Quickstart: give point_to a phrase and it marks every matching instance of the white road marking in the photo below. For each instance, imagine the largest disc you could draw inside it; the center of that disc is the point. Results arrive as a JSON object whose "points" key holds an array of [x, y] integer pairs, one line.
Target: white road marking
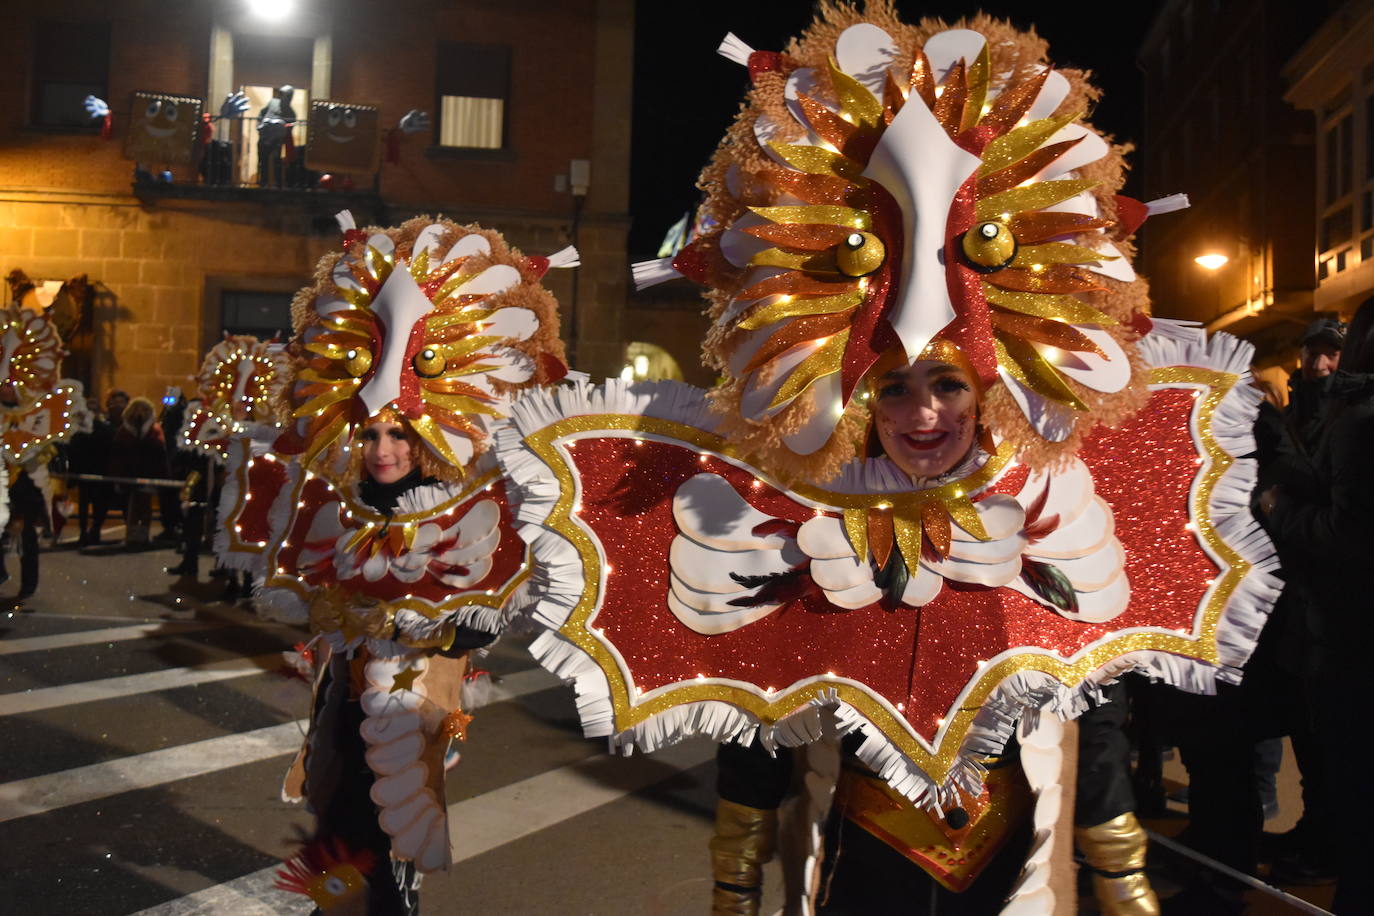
{"points": [[479, 824], [40, 794], [110, 688], [168, 628]]}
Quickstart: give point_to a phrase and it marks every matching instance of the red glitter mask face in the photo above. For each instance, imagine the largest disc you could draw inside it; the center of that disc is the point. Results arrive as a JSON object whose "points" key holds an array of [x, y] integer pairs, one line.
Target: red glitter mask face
{"points": [[926, 417]]}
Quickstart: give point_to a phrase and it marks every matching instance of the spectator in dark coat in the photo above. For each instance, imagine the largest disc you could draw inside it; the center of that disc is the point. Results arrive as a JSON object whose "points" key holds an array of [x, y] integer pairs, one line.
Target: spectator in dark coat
{"points": [[138, 451], [90, 454], [169, 498], [1327, 528]]}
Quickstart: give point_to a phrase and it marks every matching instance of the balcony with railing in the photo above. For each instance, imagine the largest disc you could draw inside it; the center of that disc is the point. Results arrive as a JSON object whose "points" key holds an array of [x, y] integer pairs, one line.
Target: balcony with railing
{"points": [[273, 161]]}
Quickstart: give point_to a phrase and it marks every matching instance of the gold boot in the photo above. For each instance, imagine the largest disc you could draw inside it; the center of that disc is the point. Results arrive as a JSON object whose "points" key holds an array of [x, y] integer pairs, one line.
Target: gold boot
{"points": [[1115, 850], [745, 839]]}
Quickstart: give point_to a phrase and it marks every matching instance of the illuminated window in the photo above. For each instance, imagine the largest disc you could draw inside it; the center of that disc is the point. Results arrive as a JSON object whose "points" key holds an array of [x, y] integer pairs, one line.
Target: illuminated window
{"points": [[472, 88], [71, 60]]}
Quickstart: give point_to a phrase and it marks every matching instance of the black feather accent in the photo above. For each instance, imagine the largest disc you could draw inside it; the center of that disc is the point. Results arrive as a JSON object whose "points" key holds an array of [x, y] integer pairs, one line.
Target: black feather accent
{"points": [[892, 580], [756, 581], [776, 588], [1049, 582]]}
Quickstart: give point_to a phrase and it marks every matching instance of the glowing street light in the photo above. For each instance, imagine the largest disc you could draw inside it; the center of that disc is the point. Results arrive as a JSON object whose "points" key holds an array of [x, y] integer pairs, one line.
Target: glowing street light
{"points": [[1211, 260], [271, 9]]}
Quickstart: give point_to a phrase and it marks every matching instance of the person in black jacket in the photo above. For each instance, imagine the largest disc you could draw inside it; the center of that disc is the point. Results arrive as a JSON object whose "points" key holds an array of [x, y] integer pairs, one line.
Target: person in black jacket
{"points": [[89, 453], [1326, 529]]}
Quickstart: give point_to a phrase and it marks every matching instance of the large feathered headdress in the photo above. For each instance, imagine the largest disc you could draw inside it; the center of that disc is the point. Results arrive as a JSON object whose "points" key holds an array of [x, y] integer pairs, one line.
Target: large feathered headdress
{"points": [[885, 184], [431, 324]]}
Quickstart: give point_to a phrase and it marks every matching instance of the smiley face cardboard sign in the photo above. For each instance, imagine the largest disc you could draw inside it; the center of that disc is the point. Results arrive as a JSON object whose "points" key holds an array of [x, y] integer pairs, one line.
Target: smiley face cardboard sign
{"points": [[344, 137], [162, 128]]}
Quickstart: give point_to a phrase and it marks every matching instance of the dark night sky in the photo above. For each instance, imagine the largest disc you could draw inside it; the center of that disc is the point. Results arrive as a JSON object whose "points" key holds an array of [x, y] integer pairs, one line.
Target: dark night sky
{"points": [[685, 94]]}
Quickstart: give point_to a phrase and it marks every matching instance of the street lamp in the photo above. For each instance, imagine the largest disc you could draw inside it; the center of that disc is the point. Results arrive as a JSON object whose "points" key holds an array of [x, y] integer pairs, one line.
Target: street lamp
{"points": [[271, 9], [1211, 261]]}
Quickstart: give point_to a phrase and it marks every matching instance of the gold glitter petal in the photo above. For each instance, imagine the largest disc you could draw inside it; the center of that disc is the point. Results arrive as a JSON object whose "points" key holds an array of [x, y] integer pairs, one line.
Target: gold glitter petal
{"points": [[838, 216], [1020, 142], [978, 75], [1028, 367], [811, 262], [430, 431], [1058, 253], [1047, 305], [796, 307], [966, 517], [855, 99], [419, 265], [817, 161], [906, 530], [342, 391], [856, 527], [827, 360], [1035, 196]]}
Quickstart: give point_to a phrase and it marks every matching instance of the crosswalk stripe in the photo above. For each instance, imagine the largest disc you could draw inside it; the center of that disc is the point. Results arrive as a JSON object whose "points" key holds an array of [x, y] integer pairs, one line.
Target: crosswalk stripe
{"points": [[108, 634], [38, 794], [504, 815], [479, 824], [251, 895], [24, 701]]}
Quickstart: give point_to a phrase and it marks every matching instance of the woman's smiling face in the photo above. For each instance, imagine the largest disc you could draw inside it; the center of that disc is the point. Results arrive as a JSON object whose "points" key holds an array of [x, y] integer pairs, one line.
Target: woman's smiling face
{"points": [[927, 417], [386, 451]]}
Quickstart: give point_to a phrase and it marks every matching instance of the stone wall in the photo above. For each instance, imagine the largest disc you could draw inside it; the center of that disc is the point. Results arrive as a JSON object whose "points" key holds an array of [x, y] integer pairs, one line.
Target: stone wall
{"points": [[161, 262], [151, 269]]}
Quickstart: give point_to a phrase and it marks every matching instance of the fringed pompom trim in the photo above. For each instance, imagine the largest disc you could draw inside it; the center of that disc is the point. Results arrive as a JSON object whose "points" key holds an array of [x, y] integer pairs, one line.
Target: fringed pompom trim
{"points": [[652, 273], [1170, 204], [734, 50], [565, 258]]}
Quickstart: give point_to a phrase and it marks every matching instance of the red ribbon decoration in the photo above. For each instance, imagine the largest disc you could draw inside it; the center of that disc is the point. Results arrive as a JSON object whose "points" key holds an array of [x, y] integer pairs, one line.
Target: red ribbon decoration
{"points": [[1130, 213]]}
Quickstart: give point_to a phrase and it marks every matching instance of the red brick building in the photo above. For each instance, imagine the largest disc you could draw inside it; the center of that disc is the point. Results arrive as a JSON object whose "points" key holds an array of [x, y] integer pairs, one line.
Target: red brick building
{"points": [[528, 99], [1218, 129]]}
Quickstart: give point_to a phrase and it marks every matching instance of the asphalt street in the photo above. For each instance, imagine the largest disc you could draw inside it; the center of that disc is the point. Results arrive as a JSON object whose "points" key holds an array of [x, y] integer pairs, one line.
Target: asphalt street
{"points": [[147, 725]]}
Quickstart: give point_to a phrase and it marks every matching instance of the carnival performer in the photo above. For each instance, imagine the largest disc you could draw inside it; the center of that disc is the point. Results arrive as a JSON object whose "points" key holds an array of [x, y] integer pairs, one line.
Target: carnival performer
{"points": [[907, 216], [240, 381], [38, 409], [378, 515]]}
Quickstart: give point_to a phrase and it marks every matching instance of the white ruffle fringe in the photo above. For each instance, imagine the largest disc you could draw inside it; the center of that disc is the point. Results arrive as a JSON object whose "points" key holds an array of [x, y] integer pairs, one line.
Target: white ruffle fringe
{"points": [[1232, 426], [733, 49]]}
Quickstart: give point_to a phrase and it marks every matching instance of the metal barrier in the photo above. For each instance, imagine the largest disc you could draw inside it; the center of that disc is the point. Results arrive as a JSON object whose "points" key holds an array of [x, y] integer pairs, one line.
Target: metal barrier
{"points": [[1248, 880], [133, 481]]}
